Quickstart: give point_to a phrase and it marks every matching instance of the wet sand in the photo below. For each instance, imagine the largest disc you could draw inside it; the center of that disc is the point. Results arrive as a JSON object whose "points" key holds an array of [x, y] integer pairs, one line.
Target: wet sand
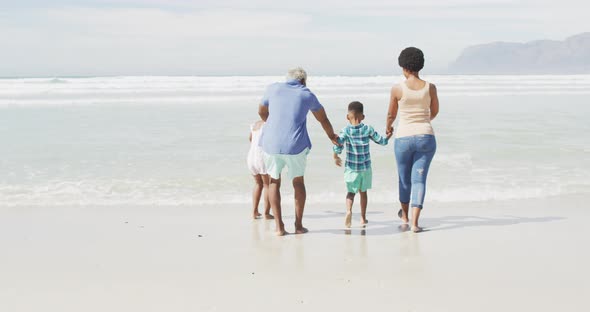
{"points": [[528, 255]]}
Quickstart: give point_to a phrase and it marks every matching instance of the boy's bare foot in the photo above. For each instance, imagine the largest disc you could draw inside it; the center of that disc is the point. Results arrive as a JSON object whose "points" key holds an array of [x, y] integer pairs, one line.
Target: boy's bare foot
{"points": [[301, 230], [348, 219], [268, 216], [416, 229]]}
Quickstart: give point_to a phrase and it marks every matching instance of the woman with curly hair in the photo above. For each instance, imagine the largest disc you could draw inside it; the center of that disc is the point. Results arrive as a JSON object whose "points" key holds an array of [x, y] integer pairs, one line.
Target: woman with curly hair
{"points": [[415, 101]]}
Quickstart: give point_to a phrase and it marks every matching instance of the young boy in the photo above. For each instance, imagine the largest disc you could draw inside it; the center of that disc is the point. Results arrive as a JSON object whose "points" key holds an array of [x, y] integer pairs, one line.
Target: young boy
{"points": [[357, 173]]}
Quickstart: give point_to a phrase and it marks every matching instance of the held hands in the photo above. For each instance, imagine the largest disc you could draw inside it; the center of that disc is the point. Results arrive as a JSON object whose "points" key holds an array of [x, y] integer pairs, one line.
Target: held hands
{"points": [[389, 131], [334, 139]]}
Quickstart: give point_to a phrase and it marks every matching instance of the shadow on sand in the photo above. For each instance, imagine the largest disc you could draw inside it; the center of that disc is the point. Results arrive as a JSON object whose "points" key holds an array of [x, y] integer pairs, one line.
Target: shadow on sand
{"points": [[456, 222], [329, 214], [378, 228]]}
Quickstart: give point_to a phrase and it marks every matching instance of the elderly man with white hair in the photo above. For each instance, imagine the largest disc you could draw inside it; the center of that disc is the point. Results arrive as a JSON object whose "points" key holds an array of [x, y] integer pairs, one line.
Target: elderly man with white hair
{"points": [[285, 140]]}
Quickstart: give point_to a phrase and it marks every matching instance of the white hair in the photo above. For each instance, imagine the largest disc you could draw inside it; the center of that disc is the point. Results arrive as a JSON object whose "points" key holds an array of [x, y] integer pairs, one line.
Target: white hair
{"points": [[297, 73]]}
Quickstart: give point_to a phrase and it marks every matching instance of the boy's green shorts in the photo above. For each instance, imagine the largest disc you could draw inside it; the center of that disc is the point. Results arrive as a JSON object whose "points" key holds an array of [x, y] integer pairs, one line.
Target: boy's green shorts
{"points": [[358, 181]]}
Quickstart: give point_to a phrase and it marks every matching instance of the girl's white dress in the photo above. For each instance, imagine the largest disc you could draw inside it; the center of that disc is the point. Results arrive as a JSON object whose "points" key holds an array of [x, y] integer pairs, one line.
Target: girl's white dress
{"points": [[255, 154]]}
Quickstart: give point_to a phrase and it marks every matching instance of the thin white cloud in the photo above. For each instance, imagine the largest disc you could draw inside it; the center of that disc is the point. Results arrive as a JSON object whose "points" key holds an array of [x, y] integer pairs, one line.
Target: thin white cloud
{"points": [[307, 5], [82, 41], [263, 36], [551, 12], [156, 23]]}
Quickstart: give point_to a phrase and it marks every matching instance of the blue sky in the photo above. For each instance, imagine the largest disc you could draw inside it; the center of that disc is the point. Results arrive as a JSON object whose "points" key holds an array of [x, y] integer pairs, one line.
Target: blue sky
{"points": [[231, 37]]}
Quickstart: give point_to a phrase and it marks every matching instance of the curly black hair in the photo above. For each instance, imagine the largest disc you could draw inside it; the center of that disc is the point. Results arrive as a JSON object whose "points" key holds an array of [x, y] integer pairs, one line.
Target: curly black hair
{"points": [[411, 59]]}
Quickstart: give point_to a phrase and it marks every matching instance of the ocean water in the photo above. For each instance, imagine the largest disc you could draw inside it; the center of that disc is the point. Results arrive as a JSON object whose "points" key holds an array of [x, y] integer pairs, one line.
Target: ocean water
{"points": [[183, 140]]}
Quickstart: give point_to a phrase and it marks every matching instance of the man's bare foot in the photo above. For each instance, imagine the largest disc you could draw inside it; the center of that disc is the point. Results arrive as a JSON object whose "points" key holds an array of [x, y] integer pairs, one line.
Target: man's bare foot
{"points": [[364, 221], [416, 229], [282, 233], [301, 230], [268, 216], [348, 219], [405, 219]]}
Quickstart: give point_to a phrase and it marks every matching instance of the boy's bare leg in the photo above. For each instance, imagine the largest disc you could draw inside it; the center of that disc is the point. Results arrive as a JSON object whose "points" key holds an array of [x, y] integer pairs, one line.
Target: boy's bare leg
{"points": [[256, 194], [405, 211], [300, 195], [349, 202], [265, 182], [274, 195], [364, 202], [415, 216]]}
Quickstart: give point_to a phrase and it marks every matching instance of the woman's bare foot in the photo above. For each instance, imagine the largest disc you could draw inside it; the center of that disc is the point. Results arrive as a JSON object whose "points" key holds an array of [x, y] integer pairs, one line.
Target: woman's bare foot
{"points": [[301, 230], [282, 233], [256, 215], [348, 219], [405, 219], [268, 216], [416, 229], [364, 221]]}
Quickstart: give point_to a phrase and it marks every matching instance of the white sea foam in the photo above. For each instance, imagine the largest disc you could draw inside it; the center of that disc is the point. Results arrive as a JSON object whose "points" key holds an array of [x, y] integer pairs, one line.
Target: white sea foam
{"points": [[138, 192], [198, 90]]}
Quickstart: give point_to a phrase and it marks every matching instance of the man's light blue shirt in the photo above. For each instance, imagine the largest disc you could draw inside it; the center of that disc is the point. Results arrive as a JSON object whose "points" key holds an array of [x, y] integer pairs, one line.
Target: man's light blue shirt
{"points": [[285, 131]]}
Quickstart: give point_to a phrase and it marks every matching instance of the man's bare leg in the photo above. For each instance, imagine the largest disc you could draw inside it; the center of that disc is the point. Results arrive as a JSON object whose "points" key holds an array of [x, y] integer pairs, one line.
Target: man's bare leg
{"points": [[415, 216], [300, 195], [274, 194], [405, 212], [349, 202], [265, 182], [364, 202], [256, 194]]}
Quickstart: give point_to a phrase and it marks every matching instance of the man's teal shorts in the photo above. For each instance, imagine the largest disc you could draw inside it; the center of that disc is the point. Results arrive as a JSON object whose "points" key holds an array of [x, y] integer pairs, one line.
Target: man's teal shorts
{"points": [[275, 163], [358, 181]]}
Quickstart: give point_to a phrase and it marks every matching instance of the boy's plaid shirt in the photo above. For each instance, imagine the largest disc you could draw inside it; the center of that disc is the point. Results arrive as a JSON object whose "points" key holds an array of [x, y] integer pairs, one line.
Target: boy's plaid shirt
{"points": [[356, 138]]}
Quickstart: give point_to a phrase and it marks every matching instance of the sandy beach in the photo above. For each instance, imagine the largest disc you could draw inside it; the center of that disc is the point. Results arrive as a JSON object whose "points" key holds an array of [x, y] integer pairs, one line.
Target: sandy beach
{"points": [[481, 256], [135, 135]]}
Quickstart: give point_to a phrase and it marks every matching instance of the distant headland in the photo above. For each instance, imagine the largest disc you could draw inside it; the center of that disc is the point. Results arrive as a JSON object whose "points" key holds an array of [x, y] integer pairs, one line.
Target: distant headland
{"points": [[570, 56]]}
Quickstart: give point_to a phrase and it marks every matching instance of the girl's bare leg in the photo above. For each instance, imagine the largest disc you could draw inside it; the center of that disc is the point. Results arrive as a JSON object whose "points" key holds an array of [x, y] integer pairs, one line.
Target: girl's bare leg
{"points": [[256, 194], [349, 202], [265, 182], [364, 201]]}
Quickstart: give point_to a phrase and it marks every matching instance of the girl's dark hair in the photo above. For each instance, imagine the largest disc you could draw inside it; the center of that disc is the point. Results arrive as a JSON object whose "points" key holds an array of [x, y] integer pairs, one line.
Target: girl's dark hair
{"points": [[411, 59]]}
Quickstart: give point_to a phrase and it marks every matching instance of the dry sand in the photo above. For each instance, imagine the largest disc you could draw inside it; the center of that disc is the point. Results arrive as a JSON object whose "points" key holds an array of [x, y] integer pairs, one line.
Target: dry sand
{"points": [[528, 255]]}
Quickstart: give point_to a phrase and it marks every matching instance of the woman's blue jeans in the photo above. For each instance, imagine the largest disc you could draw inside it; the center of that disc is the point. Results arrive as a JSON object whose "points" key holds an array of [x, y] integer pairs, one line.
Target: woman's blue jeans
{"points": [[414, 155]]}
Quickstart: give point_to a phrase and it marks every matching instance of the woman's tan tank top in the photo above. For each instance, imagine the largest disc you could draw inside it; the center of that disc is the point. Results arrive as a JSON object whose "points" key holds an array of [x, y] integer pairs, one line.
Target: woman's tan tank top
{"points": [[414, 111]]}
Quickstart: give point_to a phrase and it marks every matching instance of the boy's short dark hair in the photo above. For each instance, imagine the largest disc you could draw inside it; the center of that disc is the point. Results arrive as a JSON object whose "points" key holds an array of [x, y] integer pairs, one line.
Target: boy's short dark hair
{"points": [[411, 59], [356, 107]]}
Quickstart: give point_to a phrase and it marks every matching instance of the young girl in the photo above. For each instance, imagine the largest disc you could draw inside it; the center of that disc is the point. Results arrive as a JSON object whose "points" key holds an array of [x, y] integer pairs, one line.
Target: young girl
{"points": [[258, 170]]}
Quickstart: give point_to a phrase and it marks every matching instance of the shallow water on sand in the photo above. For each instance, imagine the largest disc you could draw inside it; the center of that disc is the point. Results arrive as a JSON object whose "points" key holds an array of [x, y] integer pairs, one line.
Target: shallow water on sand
{"points": [[183, 140]]}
